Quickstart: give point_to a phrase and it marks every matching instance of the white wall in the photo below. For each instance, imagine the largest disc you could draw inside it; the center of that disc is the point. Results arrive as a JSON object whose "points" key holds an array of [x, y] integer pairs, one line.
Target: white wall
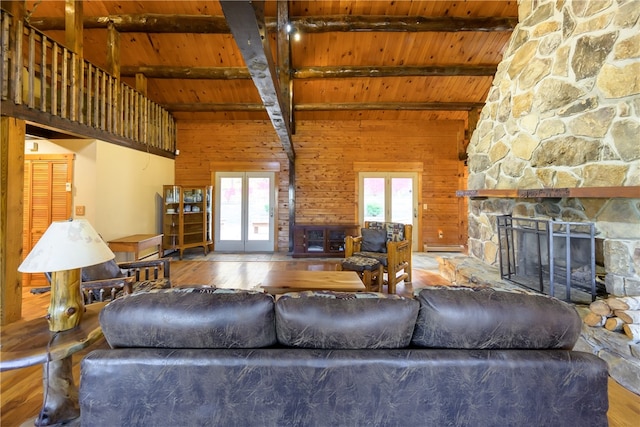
{"points": [[119, 187]]}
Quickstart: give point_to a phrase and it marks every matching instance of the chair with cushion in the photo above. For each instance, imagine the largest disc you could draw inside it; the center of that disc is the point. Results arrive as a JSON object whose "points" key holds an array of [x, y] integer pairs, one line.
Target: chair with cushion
{"points": [[128, 277], [107, 280], [389, 243]]}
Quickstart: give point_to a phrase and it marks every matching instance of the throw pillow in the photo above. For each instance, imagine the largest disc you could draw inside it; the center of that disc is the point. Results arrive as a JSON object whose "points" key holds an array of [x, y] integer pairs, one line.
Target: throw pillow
{"points": [[374, 240]]}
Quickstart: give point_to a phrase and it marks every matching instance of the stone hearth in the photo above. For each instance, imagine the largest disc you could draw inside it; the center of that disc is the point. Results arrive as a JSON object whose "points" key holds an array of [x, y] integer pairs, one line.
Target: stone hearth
{"points": [[621, 355]]}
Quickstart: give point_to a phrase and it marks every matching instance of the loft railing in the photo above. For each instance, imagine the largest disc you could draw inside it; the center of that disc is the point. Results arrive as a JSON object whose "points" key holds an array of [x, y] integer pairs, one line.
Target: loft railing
{"points": [[46, 83]]}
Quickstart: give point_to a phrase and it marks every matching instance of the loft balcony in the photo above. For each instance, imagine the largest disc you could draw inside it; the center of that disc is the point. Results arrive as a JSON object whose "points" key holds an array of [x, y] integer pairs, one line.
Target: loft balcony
{"points": [[49, 86]]}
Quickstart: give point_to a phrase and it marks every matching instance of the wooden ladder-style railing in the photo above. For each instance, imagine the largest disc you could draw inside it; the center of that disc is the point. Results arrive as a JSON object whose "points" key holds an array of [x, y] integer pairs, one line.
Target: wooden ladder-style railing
{"points": [[46, 83]]}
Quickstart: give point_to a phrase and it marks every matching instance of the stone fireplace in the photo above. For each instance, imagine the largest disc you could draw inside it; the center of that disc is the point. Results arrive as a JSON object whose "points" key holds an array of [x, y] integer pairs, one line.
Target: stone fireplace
{"points": [[563, 114], [557, 258], [559, 139]]}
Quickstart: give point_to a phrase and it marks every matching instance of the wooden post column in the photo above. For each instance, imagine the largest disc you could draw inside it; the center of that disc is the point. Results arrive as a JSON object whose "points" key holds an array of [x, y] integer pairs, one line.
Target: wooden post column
{"points": [[12, 132]]}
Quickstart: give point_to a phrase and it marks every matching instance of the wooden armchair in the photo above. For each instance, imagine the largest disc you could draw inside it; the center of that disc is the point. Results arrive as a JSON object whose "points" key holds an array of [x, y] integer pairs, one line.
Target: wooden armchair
{"points": [[108, 280], [389, 243]]}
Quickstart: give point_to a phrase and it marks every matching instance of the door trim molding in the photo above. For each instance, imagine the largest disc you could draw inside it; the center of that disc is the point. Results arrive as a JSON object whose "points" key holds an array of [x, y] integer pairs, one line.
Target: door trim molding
{"points": [[244, 167], [388, 166]]}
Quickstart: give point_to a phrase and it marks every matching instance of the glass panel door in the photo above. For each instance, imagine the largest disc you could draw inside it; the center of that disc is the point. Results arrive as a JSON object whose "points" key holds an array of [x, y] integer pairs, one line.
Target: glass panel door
{"points": [[374, 198], [389, 197], [402, 203], [244, 212]]}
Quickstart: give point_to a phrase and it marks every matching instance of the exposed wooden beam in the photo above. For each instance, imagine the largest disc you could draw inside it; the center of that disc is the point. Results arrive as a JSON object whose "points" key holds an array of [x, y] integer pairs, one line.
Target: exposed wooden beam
{"points": [[366, 71], [12, 132], [351, 106], [231, 73], [342, 23], [205, 73], [246, 20], [284, 60], [207, 24], [417, 106], [199, 107], [144, 23], [113, 52]]}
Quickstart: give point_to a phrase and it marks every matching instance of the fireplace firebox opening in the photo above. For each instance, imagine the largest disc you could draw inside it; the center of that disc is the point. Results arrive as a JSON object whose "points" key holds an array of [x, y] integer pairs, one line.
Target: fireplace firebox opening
{"points": [[557, 258]]}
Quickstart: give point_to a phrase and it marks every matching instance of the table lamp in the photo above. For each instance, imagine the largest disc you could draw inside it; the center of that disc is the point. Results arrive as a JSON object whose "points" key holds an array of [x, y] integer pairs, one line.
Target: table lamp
{"points": [[63, 249]]}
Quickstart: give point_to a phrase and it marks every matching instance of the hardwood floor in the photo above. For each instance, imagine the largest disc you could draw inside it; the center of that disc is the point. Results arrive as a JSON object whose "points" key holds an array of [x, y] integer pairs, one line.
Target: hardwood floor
{"points": [[21, 389]]}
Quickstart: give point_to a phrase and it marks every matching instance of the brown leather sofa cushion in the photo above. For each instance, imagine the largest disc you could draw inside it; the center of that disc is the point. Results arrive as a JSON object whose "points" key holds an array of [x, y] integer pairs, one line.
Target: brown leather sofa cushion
{"points": [[190, 318], [484, 318], [342, 320]]}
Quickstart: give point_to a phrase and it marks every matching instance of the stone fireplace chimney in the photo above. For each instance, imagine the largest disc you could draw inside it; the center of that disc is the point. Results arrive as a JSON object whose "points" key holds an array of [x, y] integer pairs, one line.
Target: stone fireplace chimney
{"points": [[564, 113]]}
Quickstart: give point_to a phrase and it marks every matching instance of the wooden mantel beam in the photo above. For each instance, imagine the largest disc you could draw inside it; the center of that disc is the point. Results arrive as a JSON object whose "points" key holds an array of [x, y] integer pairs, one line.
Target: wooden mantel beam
{"points": [[246, 20], [623, 192], [353, 106], [232, 73], [208, 24]]}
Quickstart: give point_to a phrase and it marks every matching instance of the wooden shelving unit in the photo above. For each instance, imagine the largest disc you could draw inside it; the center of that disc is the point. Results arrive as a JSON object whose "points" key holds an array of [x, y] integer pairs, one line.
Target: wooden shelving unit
{"points": [[629, 192], [321, 240], [187, 220]]}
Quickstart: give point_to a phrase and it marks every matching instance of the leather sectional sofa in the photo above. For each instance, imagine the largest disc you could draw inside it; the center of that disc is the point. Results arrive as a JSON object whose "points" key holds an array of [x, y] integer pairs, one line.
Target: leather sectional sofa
{"points": [[451, 356]]}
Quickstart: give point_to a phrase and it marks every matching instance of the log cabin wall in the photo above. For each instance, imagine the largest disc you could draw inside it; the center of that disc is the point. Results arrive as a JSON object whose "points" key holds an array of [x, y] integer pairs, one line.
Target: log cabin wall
{"points": [[325, 173]]}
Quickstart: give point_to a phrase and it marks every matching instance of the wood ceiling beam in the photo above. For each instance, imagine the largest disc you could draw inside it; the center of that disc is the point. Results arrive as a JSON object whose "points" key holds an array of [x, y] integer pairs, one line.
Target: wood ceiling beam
{"points": [[342, 23], [405, 71], [417, 106], [203, 73], [351, 106], [232, 73], [144, 23], [208, 24], [246, 20]]}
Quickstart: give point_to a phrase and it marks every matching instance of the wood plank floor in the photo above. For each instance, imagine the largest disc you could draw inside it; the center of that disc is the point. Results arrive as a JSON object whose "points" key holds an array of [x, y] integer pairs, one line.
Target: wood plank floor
{"points": [[21, 389]]}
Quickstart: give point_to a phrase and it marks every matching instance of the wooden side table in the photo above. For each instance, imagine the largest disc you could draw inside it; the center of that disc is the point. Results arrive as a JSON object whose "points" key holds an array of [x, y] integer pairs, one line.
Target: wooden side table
{"points": [[137, 243], [28, 343]]}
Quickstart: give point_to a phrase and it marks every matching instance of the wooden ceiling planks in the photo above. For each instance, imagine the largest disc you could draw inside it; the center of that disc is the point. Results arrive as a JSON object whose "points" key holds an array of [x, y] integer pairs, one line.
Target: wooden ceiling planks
{"points": [[342, 49]]}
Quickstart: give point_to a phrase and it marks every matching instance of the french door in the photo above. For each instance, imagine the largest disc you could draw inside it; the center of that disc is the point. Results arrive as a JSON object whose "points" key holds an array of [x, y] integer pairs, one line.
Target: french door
{"points": [[244, 208], [389, 197]]}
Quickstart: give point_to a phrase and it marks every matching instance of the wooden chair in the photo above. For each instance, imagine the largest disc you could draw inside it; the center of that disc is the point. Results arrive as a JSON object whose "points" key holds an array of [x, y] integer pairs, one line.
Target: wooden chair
{"points": [[106, 281], [393, 251]]}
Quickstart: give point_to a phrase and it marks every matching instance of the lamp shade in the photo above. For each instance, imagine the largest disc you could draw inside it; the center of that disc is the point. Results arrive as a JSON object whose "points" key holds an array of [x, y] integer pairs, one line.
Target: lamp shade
{"points": [[66, 245]]}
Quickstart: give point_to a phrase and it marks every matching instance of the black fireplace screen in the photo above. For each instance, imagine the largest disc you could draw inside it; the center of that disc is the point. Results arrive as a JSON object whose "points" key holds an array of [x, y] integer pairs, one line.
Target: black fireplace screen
{"points": [[539, 254]]}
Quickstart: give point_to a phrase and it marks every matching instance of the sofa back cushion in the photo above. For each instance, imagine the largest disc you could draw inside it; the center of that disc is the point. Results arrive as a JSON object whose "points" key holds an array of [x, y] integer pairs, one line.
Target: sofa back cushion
{"points": [[342, 320], [484, 318], [190, 318]]}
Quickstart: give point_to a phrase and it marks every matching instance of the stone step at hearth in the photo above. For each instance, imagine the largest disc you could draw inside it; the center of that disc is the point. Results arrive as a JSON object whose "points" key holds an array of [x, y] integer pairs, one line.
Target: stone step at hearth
{"points": [[620, 353]]}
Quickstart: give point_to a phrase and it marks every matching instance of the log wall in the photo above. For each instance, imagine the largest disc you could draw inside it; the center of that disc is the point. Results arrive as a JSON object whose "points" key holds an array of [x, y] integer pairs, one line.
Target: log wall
{"points": [[328, 157]]}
